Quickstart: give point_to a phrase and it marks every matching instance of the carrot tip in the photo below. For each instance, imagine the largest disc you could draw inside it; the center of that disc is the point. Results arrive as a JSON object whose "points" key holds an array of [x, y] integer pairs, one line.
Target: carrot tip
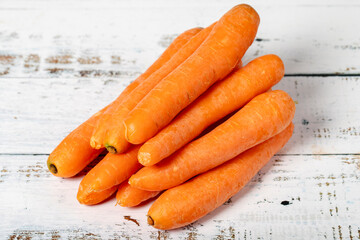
{"points": [[53, 169], [150, 220], [144, 158], [92, 142], [111, 149]]}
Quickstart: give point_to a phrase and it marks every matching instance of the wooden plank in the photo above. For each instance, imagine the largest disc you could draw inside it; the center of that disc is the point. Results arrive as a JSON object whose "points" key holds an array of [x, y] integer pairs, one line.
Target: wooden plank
{"points": [[317, 197], [60, 61], [36, 114], [94, 4], [117, 38]]}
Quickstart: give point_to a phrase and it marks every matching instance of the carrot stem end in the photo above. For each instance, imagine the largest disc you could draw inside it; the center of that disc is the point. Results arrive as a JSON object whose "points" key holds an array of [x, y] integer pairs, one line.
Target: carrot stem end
{"points": [[150, 220], [53, 169], [111, 149]]}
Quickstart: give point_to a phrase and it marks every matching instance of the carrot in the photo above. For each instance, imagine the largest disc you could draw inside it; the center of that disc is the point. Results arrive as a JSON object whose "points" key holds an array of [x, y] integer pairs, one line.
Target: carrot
{"points": [[263, 117], [102, 180], [112, 170], [110, 126], [194, 199], [128, 196], [221, 99], [212, 61], [87, 197], [74, 152], [97, 137]]}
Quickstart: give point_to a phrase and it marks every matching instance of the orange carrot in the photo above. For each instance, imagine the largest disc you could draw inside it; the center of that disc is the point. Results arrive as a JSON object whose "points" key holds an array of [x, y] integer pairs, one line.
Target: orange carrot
{"points": [[128, 196], [112, 170], [194, 199], [87, 197], [97, 137], [221, 99], [110, 126], [263, 117], [102, 180], [212, 61], [74, 152]]}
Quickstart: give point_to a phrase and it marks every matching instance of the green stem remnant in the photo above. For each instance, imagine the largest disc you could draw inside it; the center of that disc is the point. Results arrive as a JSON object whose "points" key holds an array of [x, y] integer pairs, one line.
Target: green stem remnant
{"points": [[111, 149]]}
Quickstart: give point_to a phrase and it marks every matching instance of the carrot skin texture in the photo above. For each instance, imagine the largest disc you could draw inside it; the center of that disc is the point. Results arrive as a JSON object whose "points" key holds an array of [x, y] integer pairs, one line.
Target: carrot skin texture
{"points": [[213, 60], [102, 180], [111, 125], [186, 203], [263, 117], [74, 153], [113, 169], [87, 196], [220, 100], [97, 138], [128, 196]]}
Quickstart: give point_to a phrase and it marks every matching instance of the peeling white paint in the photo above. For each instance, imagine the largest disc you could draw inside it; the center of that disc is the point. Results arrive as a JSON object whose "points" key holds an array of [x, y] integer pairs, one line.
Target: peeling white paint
{"points": [[61, 61]]}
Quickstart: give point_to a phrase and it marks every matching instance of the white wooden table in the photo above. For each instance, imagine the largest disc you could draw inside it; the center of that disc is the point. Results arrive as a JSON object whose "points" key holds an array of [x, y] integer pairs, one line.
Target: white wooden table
{"points": [[60, 61]]}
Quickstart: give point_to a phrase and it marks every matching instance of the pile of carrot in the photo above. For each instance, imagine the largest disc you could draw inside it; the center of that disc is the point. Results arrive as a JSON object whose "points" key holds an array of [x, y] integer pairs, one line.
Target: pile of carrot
{"points": [[193, 129]]}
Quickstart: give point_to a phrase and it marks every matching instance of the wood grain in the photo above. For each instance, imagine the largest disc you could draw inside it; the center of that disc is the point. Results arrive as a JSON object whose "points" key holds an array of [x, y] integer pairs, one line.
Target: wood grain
{"points": [[121, 38], [61, 61], [294, 196], [37, 113]]}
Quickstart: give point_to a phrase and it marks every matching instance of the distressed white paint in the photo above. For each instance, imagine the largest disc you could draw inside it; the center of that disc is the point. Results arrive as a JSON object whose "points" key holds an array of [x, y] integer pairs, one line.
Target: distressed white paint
{"points": [[319, 38], [322, 191], [60, 61], [37, 113]]}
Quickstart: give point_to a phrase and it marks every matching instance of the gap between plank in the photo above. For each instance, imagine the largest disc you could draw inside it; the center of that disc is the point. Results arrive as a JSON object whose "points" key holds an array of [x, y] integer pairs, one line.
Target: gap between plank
{"points": [[280, 154], [320, 75]]}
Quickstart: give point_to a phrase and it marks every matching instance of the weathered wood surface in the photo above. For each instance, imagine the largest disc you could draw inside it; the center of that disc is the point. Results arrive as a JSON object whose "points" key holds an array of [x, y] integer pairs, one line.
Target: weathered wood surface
{"points": [[120, 38], [60, 61], [38, 113], [293, 197]]}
